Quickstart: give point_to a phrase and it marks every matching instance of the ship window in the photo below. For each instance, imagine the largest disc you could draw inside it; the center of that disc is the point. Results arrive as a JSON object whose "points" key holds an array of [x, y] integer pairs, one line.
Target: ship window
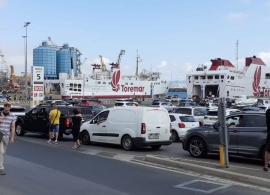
{"points": [[126, 83], [71, 89], [79, 90], [267, 76], [189, 77], [99, 82], [109, 83], [196, 77], [62, 85], [216, 76], [104, 82], [228, 77], [222, 76], [71, 84], [75, 84], [79, 86], [202, 77], [131, 83], [210, 77], [232, 78], [75, 89]]}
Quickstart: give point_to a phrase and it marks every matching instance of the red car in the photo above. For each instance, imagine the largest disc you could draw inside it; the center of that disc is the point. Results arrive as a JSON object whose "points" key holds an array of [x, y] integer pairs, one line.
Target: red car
{"points": [[87, 102]]}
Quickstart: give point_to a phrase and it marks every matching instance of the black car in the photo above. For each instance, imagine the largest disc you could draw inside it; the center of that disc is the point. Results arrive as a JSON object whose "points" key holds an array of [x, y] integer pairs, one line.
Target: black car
{"points": [[57, 102], [205, 139], [36, 120], [96, 108]]}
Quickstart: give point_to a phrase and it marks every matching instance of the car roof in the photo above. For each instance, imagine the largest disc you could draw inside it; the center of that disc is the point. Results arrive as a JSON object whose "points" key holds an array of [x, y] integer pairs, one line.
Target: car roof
{"points": [[179, 114]]}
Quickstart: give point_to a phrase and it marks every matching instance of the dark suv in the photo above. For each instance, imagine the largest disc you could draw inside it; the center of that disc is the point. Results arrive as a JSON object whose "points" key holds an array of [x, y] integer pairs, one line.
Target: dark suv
{"points": [[36, 120], [247, 138]]}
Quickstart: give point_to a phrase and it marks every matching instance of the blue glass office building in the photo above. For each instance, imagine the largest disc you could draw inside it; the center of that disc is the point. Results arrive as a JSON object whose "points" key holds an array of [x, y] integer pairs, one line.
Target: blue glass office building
{"points": [[55, 60], [63, 60], [45, 56]]}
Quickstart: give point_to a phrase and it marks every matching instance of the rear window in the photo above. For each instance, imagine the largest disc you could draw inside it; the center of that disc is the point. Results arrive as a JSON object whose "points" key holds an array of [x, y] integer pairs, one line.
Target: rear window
{"points": [[84, 101], [119, 104], [187, 119], [17, 109], [156, 117], [183, 111], [212, 113], [155, 103]]}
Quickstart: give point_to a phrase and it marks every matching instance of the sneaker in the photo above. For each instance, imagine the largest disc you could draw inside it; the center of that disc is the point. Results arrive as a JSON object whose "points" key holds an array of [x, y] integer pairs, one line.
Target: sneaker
{"points": [[2, 172], [79, 145], [74, 147], [265, 169], [49, 141], [55, 141]]}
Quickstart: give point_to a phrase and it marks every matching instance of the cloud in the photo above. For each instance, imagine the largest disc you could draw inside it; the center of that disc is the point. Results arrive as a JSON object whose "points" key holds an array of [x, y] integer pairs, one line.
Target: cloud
{"points": [[237, 15], [265, 56], [87, 69], [162, 64], [3, 3]]}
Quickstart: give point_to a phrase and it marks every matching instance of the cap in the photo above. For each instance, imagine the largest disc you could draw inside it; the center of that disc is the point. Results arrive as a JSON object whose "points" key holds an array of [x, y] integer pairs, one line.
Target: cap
{"points": [[7, 103]]}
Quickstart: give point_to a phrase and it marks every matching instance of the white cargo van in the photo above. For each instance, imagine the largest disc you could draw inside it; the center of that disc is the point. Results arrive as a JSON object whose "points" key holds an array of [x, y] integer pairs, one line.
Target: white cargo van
{"points": [[129, 127]]}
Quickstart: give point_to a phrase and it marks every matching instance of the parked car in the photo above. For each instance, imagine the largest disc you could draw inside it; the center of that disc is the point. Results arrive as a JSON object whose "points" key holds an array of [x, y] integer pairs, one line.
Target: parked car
{"points": [[180, 124], [96, 108], [166, 105], [203, 140], [212, 115], [87, 102], [129, 127], [211, 106], [36, 120], [168, 99], [197, 112], [116, 104], [57, 102], [3, 98], [15, 110], [258, 109]]}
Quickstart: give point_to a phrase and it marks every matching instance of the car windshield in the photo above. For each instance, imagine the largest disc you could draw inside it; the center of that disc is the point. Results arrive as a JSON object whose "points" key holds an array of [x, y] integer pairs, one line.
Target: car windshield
{"points": [[187, 119], [183, 111]]}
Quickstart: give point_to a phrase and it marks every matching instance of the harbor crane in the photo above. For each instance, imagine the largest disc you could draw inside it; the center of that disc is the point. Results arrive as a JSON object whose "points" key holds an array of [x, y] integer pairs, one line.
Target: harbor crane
{"points": [[4, 67], [103, 66], [122, 52]]}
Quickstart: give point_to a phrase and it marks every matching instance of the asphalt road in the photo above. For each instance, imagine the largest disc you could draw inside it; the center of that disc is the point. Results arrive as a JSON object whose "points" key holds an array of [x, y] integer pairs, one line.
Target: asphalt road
{"points": [[35, 168]]}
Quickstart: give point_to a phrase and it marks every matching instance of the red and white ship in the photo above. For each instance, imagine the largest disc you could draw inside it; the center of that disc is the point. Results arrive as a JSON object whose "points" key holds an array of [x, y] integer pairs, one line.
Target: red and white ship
{"points": [[222, 79], [109, 84]]}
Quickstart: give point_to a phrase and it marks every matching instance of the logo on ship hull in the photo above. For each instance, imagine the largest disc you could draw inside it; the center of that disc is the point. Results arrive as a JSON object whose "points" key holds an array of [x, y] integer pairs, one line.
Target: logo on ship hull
{"points": [[116, 87], [256, 81]]}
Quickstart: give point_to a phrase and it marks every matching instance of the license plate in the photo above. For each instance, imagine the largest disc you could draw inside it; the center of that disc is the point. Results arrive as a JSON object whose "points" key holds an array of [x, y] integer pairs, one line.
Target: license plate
{"points": [[153, 136]]}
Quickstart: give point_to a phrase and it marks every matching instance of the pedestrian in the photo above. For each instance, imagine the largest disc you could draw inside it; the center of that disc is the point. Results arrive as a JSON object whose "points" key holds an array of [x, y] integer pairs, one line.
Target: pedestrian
{"points": [[76, 124], [267, 146], [7, 123], [54, 119]]}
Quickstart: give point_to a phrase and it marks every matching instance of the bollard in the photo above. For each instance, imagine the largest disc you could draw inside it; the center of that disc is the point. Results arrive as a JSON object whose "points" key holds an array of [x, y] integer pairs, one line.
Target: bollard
{"points": [[221, 156]]}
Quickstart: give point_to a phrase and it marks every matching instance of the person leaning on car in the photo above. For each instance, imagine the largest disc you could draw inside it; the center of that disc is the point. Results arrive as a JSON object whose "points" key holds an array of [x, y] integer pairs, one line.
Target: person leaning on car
{"points": [[267, 146]]}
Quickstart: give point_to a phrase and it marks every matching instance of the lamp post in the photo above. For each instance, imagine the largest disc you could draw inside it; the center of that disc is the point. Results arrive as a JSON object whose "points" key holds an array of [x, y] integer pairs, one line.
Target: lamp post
{"points": [[25, 73]]}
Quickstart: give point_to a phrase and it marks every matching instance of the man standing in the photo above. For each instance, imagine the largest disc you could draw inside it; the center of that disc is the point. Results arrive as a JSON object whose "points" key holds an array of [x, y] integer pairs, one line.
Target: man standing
{"points": [[7, 123], [54, 117], [267, 146]]}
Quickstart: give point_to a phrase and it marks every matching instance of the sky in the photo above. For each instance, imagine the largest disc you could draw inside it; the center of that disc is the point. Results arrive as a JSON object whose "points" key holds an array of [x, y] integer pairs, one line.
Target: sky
{"points": [[171, 36]]}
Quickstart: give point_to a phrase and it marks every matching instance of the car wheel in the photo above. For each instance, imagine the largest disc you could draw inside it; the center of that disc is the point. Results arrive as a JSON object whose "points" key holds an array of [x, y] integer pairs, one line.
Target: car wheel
{"points": [[263, 156], [156, 147], [127, 143], [197, 147], [19, 130], [85, 138], [175, 136]]}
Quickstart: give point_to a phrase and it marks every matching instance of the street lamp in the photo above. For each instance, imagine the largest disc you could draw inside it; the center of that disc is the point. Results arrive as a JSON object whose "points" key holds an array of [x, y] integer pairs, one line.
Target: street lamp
{"points": [[25, 73]]}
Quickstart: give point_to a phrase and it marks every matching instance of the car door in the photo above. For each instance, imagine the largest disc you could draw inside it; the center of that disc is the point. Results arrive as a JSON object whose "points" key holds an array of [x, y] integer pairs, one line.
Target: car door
{"points": [[254, 128], [31, 120], [42, 120], [213, 138], [86, 113], [99, 127]]}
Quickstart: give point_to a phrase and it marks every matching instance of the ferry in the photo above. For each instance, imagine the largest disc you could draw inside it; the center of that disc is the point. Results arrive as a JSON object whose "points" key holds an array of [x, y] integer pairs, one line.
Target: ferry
{"points": [[223, 79]]}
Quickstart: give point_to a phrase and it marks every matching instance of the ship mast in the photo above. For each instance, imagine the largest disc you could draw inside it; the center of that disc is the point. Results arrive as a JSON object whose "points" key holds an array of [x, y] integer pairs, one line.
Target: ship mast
{"points": [[236, 54], [138, 59]]}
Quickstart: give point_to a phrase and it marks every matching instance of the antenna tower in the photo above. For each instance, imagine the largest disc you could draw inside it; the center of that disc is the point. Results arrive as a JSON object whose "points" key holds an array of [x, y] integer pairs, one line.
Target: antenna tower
{"points": [[236, 54], [138, 59]]}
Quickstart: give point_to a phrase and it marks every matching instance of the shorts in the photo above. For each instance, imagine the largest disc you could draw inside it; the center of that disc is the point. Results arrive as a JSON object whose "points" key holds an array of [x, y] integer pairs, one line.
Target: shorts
{"points": [[267, 147], [55, 128]]}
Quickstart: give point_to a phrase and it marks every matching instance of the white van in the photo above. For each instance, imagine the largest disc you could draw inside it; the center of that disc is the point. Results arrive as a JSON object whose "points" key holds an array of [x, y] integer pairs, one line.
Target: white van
{"points": [[129, 127]]}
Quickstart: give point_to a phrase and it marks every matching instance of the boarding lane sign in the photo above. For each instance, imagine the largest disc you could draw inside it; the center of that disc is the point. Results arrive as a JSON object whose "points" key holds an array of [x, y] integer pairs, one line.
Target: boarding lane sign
{"points": [[37, 86]]}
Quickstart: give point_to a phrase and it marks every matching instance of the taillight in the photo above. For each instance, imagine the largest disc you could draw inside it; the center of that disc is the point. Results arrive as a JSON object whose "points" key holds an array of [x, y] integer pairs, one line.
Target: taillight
{"points": [[67, 122], [143, 128], [181, 125], [170, 127]]}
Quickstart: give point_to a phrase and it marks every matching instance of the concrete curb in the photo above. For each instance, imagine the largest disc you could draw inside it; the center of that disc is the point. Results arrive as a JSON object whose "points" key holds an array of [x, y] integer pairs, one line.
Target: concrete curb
{"points": [[221, 173]]}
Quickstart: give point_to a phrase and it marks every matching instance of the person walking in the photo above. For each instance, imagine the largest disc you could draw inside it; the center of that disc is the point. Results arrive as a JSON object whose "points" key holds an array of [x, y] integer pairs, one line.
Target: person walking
{"points": [[267, 146], [54, 119], [7, 123], [76, 124]]}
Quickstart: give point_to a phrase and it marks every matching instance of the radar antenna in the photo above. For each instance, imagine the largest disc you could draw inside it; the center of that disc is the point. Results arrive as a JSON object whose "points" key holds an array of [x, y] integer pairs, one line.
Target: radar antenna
{"points": [[236, 54], [138, 59]]}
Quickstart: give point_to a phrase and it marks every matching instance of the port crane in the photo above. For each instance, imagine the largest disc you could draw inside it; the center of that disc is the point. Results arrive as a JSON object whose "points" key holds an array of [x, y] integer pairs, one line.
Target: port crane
{"points": [[103, 66]]}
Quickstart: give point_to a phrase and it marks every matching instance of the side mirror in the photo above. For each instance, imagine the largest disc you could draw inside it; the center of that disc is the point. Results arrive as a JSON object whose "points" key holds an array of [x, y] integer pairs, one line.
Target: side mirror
{"points": [[216, 125]]}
